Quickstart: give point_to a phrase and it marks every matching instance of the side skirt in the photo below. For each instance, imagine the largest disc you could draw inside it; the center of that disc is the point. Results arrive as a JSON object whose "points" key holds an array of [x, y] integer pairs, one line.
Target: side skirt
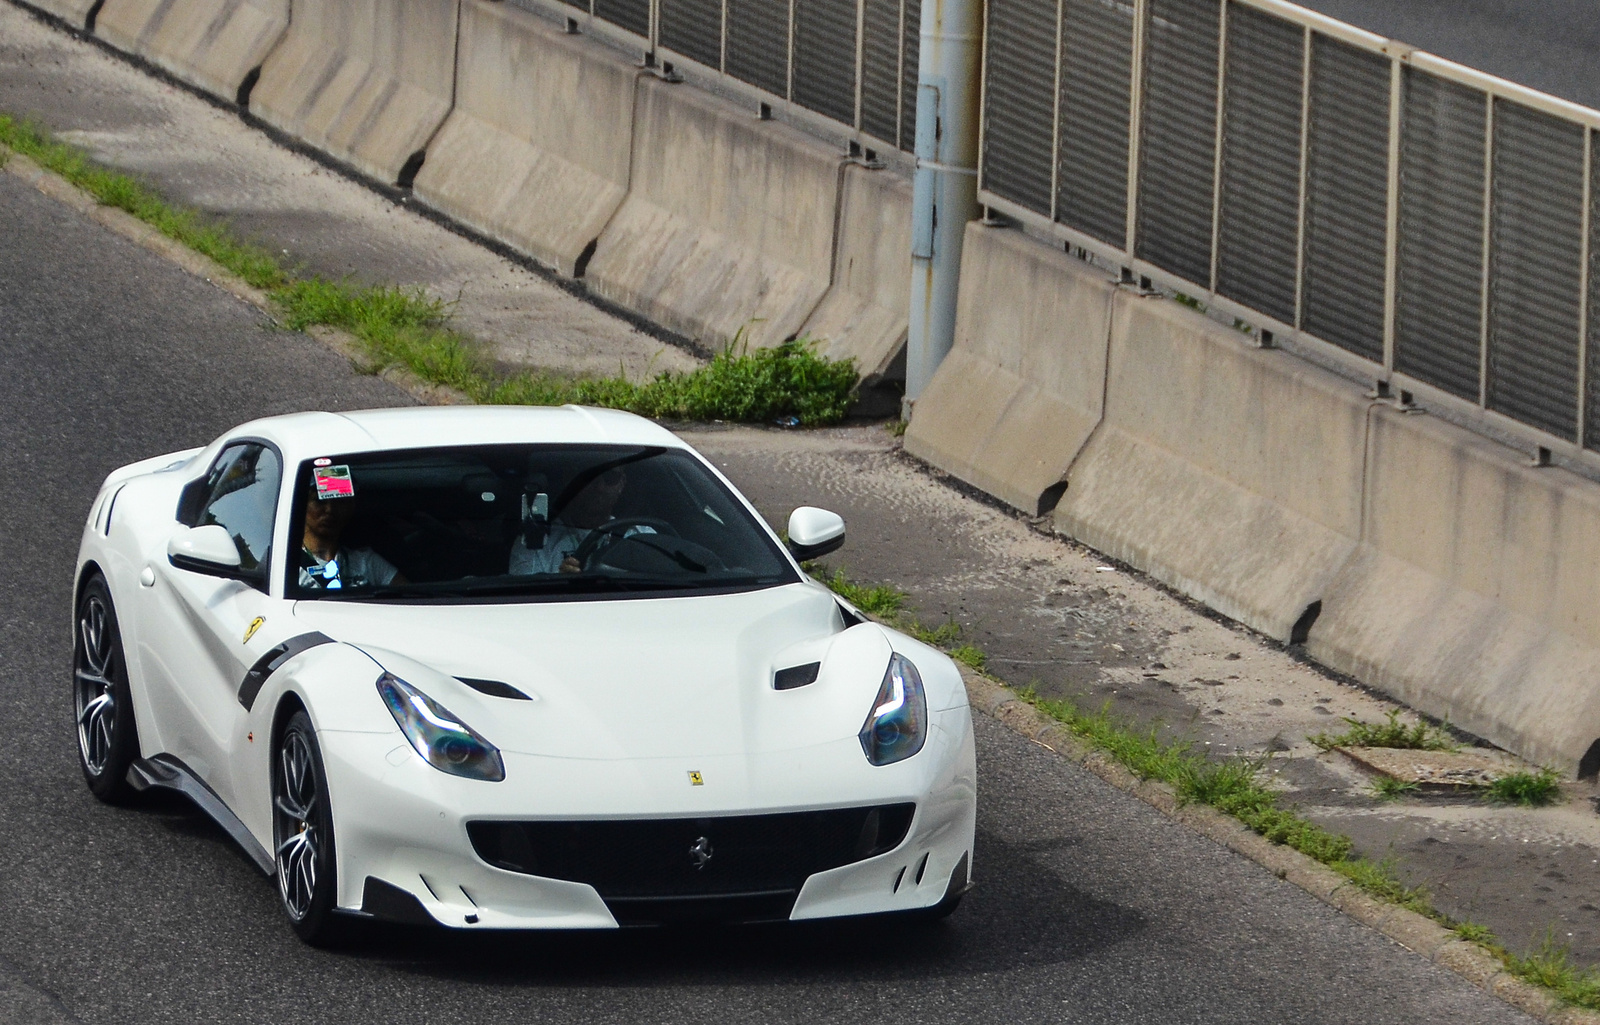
{"points": [[164, 772]]}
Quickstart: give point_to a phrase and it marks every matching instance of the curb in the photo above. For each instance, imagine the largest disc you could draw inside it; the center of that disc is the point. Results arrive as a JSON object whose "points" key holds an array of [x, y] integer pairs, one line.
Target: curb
{"points": [[1407, 928], [138, 232], [1415, 932]]}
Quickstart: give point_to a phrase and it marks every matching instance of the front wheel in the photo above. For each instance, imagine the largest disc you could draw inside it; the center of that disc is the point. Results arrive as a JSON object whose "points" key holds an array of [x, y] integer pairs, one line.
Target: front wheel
{"points": [[108, 740], [302, 833]]}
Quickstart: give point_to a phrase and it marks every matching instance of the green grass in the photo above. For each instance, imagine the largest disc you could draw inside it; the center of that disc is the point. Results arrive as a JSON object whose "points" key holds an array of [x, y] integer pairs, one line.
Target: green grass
{"points": [[889, 604], [401, 327], [1528, 789], [1389, 733], [1388, 788]]}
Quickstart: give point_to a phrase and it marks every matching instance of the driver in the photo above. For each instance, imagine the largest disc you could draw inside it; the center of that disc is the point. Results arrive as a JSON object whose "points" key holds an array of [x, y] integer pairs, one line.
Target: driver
{"points": [[325, 565], [588, 510]]}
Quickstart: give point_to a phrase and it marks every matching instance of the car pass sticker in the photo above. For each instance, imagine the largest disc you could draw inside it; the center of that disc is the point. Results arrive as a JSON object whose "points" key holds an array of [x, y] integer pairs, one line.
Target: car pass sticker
{"points": [[334, 482]]}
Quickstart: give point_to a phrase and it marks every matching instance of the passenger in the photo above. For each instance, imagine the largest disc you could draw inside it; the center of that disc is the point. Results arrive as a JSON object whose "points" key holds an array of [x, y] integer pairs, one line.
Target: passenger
{"points": [[588, 510], [327, 566]]}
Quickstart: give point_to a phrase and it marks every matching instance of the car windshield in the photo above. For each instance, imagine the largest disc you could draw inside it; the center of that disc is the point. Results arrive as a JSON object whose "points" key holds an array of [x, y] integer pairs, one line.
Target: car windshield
{"points": [[502, 521]]}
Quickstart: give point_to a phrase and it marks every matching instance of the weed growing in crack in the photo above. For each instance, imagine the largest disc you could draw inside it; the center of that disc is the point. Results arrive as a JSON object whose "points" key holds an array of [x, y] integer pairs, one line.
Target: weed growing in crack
{"points": [[1528, 789], [1389, 733], [1388, 788], [404, 327]]}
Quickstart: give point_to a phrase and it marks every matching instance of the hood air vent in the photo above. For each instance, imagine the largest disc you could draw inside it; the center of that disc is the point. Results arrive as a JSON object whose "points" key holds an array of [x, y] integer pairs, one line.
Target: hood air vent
{"points": [[796, 676], [495, 689]]}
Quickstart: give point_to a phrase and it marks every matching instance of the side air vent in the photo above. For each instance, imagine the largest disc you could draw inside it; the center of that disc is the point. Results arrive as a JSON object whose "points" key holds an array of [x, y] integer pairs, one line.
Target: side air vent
{"points": [[494, 688], [796, 676]]}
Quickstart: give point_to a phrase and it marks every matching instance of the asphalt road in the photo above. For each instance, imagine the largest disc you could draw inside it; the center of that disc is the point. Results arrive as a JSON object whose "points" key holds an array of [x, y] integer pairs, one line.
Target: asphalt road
{"points": [[1551, 45], [1090, 906]]}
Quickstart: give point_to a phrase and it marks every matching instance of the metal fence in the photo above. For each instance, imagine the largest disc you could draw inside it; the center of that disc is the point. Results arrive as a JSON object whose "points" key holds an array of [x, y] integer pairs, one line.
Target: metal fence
{"points": [[1421, 222], [851, 61]]}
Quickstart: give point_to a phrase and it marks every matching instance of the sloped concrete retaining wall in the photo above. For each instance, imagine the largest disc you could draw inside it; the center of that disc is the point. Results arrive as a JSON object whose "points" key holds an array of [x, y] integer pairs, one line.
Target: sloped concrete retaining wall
{"points": [[212, 44], [367, 81]]}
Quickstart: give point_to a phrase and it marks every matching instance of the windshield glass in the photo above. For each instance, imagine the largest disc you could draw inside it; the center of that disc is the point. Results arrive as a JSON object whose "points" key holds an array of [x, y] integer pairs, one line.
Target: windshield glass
{"points": [[533, 520]]}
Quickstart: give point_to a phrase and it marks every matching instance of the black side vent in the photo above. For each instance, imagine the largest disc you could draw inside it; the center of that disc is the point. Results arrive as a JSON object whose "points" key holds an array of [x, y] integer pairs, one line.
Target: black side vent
{"points": [[494, 688], [796, 676]]}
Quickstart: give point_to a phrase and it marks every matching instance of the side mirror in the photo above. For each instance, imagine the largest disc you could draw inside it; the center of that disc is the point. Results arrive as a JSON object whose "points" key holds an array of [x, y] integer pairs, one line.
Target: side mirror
{"points": [[209, 550], [814, 533]]}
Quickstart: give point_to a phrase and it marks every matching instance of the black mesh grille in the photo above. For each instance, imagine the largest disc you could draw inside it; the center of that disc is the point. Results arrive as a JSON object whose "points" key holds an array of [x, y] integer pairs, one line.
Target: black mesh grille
{"points": [[1591, 429], [1347, 197], [880, 70], [1096, 87], [758, 43], [1256, 257], [911, 48], [639, 859], [633, 15], [1178, 132], [825, 57], [1535, 255], [1439, 311], [1019, 101], [694, 29]]}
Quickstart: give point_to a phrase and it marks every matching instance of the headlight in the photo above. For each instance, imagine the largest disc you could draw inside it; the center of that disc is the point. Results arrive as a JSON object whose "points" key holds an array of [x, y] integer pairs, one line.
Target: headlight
{"points": [[445, 742], [898, 722]]}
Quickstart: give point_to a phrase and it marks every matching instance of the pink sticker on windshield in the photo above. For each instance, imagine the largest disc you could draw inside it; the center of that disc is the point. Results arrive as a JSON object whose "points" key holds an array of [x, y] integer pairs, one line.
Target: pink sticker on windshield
{"points": [[334, 482]]}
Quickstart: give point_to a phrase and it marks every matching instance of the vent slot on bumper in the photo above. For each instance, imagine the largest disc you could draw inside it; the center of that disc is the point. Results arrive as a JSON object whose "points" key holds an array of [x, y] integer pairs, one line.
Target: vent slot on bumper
{"points": [[730, 868]]}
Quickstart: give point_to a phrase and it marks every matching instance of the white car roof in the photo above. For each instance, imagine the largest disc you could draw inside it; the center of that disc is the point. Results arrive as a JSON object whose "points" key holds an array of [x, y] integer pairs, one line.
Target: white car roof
{"points": [[306, 435]]}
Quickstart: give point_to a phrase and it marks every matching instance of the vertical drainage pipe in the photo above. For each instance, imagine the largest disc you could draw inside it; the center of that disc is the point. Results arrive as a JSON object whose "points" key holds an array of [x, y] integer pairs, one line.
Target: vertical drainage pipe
{"points": [[945, 190]]}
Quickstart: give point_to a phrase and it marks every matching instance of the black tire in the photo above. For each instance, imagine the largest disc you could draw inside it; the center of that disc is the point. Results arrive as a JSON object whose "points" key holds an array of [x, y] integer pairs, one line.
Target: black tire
{"points": [[302, 834], [108, 740]]}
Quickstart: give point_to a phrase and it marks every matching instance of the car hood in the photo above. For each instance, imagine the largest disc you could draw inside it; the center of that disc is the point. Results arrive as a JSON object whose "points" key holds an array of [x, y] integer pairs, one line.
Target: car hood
{"points": [[639, 678]]}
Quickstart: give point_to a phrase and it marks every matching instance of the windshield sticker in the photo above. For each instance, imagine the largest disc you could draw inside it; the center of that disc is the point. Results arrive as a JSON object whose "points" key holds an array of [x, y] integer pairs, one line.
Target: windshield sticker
{"points": [[334, 482], [323, 461]]}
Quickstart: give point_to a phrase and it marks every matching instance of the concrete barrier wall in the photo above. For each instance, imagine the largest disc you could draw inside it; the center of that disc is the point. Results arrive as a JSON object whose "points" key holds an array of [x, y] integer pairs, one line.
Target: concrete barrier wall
{"points": [[1475, 595], [73, 12], [865, 313], [1021, 390], [212, 44], [367, 81], [1231, 473], [536, 151], [728, 224]]}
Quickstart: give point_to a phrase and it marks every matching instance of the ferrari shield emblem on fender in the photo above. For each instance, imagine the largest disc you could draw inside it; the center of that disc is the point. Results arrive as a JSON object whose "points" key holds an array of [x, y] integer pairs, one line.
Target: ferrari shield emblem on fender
{"points": [[695, 779], [250, 631]]}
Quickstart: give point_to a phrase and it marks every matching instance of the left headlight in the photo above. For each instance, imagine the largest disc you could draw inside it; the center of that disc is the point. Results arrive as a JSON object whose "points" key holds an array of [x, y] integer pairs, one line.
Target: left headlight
{"points": [[898, 723], [442, 739]]}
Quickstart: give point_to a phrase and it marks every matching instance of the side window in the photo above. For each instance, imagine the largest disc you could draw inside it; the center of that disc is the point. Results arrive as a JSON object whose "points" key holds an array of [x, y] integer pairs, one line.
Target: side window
{"points": [[241, 494]]}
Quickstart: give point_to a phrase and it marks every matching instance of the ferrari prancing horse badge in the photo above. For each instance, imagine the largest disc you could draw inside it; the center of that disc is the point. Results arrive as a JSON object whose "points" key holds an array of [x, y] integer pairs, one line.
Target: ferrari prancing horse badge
{"points": [[250, 631], [695, 779]]}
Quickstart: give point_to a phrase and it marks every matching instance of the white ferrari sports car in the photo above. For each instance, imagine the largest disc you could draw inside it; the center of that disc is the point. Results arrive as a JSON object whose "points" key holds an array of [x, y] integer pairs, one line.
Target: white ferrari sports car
{"points": [[512, 669]]}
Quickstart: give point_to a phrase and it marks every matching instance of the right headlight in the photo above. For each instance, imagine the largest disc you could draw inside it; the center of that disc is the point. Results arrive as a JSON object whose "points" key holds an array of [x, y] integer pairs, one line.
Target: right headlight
{"points": [[898, 723], [442, 739]]}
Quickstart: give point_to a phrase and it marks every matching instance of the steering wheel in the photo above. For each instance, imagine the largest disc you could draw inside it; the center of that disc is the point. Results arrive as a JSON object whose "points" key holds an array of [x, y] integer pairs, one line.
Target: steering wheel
{"points": [[617, 528]]}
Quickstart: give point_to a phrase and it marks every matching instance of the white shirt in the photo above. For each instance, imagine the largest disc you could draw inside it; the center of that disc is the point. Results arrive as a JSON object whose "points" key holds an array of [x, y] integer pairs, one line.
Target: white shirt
{"points": [[358, 567], [561, 541]]}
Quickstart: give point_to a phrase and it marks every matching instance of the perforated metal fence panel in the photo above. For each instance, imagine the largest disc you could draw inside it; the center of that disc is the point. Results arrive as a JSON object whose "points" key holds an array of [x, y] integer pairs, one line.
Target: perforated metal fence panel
{"points": [[910, 46], [880, 69], [825, 57], [758, 43], [1438, 335], [1535, 257], [1347, 190], [633, 15], [1177, 150], [1260, 223], [1591, 429], [693, 28], [1096, 95], [1019, 101]]}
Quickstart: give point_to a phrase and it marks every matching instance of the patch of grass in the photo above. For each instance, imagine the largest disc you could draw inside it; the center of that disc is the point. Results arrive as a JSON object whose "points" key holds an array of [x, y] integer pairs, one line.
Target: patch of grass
{"points": [[889, 604], [1389, 733], [409, 328], [1472, 932], [1551, 966], [897, 427], [1528, 789], [1388, 788], [880, 600]]}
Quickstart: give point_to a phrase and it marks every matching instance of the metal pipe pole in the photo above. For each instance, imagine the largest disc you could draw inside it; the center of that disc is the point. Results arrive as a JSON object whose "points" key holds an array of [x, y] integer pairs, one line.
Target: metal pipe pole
{"points": [[944, 192]]}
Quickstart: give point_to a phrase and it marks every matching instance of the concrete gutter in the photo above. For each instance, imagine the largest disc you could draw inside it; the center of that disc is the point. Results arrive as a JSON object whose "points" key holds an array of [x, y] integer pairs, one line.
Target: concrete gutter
{"points": [[1407, 928]]}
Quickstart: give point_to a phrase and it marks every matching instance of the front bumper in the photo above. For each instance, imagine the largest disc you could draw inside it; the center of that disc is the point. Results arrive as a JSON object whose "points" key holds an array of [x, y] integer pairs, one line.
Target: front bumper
{"points": [[402, 841]]}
